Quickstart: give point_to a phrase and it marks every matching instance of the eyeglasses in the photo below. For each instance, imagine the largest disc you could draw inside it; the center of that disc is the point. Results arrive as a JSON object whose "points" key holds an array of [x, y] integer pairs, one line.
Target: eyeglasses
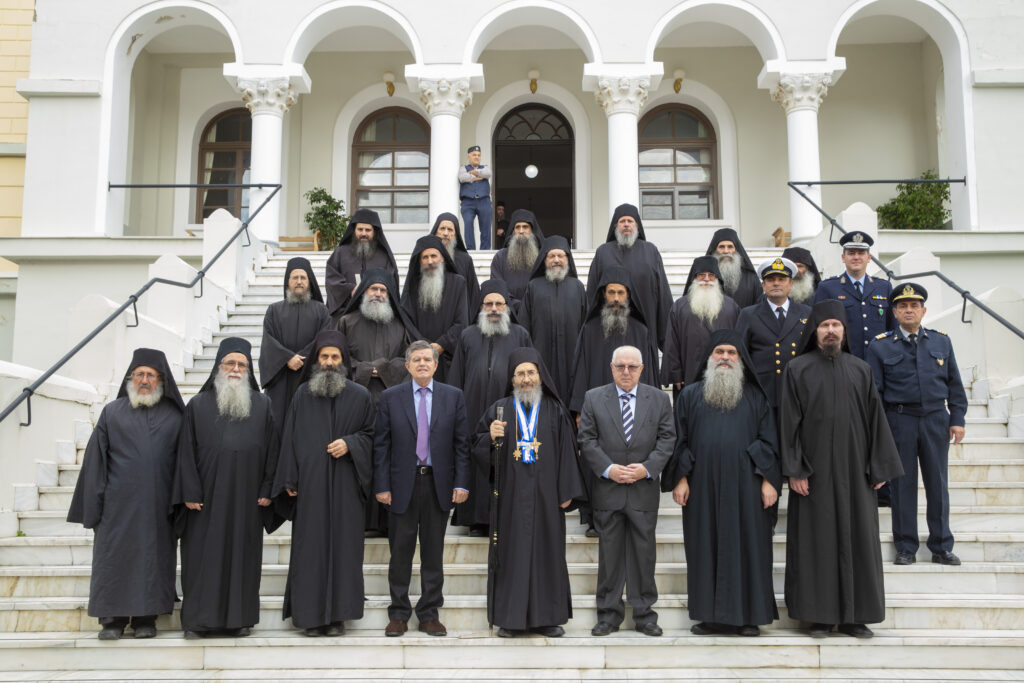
{"points": [[495, 304], [145, 376], [232, 364], [525, 374], [619, 367]]}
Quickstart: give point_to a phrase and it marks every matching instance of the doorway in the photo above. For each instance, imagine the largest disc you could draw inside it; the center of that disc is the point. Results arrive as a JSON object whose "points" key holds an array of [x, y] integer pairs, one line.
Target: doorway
{"points": [[534, 165]]}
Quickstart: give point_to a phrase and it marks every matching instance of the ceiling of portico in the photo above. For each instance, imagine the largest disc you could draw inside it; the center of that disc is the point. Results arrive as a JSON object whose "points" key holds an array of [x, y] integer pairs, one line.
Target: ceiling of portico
{"points": [[190, 39], [875, 30]]}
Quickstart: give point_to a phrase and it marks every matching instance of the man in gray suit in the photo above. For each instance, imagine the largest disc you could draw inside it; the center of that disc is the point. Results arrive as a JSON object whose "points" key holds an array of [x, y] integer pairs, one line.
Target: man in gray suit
{"points": [[626, 437]]}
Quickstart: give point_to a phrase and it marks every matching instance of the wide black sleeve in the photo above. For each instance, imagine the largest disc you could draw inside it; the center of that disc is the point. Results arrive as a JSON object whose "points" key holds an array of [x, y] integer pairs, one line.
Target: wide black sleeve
{"points": [[271, 451], [188, 487], [764, 449], [884, 461], [360, 440], [791, 414], [682, 461], [274, 355], [87, 502], [450, 338], [339, 287], [382, 446]]}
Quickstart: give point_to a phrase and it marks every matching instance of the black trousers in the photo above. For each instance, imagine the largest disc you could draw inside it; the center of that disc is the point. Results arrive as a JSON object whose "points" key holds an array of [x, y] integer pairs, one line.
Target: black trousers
{"points": [[424, 517], [147, 620], [626, 556]]}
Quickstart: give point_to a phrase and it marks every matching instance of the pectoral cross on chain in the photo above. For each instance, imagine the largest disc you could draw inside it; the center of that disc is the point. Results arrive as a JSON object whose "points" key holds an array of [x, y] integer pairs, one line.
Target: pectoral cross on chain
{"points": [[536, 447]]}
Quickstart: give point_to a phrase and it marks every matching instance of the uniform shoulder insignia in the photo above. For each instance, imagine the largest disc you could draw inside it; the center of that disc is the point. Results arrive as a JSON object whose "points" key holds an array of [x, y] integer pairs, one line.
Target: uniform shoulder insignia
{"points": [[938, 332], [883, 335]]}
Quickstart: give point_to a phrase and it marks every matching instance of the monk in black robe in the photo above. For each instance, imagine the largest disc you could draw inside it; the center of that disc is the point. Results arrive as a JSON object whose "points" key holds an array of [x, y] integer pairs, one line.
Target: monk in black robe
{"points": [[703, 308], [553, 310], [289, 327], [133, 447], [447, 228], [725, 473], [626, 246], [362, 247], [479, 369], [738, 274], [514, 263], [805, 282], [837, 451], [434, 298], [227, 455], [322, 484], [534, 481]]}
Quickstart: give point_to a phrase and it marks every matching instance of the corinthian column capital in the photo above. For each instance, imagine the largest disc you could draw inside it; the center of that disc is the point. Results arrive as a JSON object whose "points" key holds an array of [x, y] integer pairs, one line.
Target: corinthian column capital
{"points": [[796, 91], [621, 94], [267, 95], [444, 96]]}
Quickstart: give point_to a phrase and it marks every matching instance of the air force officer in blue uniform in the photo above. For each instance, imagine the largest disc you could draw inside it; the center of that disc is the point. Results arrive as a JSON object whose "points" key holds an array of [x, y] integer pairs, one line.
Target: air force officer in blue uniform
{"points": [[917, 377], [865, 298]]}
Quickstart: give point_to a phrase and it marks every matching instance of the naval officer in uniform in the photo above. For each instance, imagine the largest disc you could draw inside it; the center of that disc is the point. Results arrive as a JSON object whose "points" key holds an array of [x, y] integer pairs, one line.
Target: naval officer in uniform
{"points": [[865, 298], [917, 378]]}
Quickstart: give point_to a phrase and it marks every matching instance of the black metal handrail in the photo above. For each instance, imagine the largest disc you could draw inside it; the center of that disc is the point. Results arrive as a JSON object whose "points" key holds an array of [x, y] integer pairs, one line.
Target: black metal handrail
{"points": [[965, 294], [26, 394]]}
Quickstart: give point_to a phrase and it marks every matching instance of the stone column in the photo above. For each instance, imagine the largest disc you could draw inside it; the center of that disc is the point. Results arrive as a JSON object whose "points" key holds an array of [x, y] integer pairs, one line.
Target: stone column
{"points": [[445, 100], [267, 100], [622, 98], [800, 95]]}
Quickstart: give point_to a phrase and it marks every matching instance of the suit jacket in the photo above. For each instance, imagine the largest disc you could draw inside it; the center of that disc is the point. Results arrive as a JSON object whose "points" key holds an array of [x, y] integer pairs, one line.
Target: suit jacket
{"points": [[394, 444], [867, 315], [770, 346], [603, 443]]}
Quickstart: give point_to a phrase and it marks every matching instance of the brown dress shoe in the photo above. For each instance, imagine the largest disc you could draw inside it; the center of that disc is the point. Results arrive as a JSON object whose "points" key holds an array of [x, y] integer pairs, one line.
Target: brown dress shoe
{"points": [[396, 627], [433, 628]]}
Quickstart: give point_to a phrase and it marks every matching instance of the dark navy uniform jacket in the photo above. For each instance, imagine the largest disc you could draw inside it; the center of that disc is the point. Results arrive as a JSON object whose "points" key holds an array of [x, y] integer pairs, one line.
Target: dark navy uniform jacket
{"points": [[867, 315], [922, 379], [770, 346]]}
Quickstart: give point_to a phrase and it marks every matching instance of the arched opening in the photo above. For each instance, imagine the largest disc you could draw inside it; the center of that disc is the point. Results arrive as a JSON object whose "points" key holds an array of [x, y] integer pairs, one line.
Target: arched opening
{"points": [[678, 160], [225, 155], [391, 166]]}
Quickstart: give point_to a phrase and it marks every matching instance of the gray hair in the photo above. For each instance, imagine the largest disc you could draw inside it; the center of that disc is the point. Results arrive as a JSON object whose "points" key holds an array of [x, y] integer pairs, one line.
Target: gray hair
{"points": [[419, 345], [627, 349]]}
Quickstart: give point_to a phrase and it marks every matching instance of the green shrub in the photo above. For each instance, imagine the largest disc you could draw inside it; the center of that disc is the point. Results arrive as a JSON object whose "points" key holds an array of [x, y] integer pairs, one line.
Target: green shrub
{"points": [[916, 206], [327, 215]]}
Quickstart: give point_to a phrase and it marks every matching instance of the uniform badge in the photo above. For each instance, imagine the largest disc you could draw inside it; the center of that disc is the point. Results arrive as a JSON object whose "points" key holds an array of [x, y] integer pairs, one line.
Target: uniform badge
{"points": [[841, 296], [857, 238], [908, 290], [940, 361]]}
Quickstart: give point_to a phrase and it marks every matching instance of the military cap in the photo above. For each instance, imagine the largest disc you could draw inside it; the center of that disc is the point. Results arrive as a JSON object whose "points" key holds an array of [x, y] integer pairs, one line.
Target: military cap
{"points": [[778, 266], [474, 148], [856, 240], [909, 291]]}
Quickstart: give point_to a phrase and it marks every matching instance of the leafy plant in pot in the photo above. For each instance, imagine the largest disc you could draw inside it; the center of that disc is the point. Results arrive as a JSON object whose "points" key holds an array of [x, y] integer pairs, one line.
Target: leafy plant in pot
{"points": [[326, 217], [916, 206]]}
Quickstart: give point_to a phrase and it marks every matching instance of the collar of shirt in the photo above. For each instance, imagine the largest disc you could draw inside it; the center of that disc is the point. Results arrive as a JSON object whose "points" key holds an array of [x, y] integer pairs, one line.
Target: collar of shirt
{"points": [[906, 335], [863, 280], [632, 401], [416, 388], [775, 307]]}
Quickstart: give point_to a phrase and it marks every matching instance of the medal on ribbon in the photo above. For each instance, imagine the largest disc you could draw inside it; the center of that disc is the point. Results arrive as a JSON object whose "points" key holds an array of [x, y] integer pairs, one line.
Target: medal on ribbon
{"points": [[527, 444]]}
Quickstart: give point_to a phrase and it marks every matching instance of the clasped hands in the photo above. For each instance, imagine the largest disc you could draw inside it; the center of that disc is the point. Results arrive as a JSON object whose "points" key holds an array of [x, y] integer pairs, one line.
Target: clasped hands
{"points": [[262, 502], [627, 474]]}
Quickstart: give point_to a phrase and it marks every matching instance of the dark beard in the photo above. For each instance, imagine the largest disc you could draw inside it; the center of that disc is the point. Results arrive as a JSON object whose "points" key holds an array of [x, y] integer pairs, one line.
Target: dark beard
{"points": [[293, 298], [522, 252], [365, 250], [831, 351], [326, 382], [614, 319]]}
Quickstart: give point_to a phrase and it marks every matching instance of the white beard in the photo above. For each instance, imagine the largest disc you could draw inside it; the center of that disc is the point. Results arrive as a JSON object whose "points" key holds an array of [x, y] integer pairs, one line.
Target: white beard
{"points": [[614, 319], [522, 252], [377, 310], [293, 298], [528, 397], [731, 269], [626, 241], [234, 397], [365, 250], [431, 288], [556, 274], [144, 400], [706, 300], [326, 382], [723, 387], [450, 246], [803, 288], [500, 328]]}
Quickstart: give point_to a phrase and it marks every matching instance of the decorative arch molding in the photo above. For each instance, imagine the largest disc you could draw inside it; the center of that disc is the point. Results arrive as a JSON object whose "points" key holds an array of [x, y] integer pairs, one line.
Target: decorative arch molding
{"points": [[566, 103], [743, 16], [519, 13], [338, 14], [946, 30], [708, 102]]}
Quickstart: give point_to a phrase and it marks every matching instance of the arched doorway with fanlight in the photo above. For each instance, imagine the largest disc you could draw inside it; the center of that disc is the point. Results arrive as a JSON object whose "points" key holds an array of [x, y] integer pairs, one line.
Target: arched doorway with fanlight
{"points": [[533, 167]]}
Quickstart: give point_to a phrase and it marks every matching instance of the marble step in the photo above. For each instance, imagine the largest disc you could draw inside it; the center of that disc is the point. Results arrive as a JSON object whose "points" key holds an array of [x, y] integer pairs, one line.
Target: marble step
{"points": [[468, 612], [471, 579], [778, 654]]}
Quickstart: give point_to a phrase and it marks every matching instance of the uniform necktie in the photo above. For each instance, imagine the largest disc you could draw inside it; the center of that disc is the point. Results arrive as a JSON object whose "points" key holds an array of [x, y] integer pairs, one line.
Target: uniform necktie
{"points": [[913, 338], [422, 429], [781, 312], [627, 415], [856, 286]]}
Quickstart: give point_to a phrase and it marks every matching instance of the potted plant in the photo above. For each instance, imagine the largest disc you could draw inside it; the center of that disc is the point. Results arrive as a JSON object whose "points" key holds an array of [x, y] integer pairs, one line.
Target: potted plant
{"points": [[326, 218], [916, 206]]}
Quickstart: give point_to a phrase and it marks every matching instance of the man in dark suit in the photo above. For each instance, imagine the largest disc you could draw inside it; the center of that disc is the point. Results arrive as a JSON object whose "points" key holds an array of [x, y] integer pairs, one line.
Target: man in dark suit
{"points": [[420, 469], [627, 435], [772, 327]]}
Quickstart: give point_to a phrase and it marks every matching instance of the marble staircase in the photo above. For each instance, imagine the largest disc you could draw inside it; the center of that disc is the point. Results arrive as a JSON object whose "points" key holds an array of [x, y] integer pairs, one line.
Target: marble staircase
{"points": [[941, 622]]}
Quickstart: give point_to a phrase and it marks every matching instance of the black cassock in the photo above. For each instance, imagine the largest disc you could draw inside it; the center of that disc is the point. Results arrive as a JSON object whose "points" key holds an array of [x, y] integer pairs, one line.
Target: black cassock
{"points": [[687, 337], [516, 280], [648, 289], [325, 574], [833, 430], [749, 291], [374, 345], [529, 575], [444, 325], [467, 269], [226, 465], [480, 369], [553, 313], [594, 357], [345, 269], [124, 494], [288, 329], [727, 531]]}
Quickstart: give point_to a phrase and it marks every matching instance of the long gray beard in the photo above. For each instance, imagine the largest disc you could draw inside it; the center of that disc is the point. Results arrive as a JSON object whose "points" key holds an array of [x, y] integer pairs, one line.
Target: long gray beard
{"points": [[522, 252], [528, 397], [377, 311], [626, 241], [803, 288], [326, 382], [556, 274], [365, 250], [450, 246], [499, 328], [144, 400], [614, 320], [831, 351], [705, 301], [431, 289], [731, 269], [293, 298], [723, 387], [234, 399]]}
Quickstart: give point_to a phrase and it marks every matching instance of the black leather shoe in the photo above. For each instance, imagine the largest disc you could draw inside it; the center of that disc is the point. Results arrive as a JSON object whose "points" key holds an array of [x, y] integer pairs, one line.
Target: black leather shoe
{"points": [[478, 531], [946, 557], [145, 632], [819, 630], [748, 630], [603, 628], [314, 632], [651, 628], [111, 632], [335, 629], [194, 635], [904, 557], [856, 630], [509, 633], [591, 532], [703, 628], [549, 631]]}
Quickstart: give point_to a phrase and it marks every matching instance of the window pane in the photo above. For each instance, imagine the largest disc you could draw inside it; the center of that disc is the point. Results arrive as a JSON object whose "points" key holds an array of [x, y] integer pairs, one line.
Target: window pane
{"points": [[219, 159], [406, 178], [657, 199], [375, 178], [410, 216], [656, 156], [656, 205], [218, 198], [374, 160], [409, 131], [221, 177], [380, 129], [228, 129], [685, 125], [692, 174], [247, 159], [693, 156], [411, 199], [695, 204], [655, 174], [658, 127], [385, 215], [412, 159], [366, 198]]}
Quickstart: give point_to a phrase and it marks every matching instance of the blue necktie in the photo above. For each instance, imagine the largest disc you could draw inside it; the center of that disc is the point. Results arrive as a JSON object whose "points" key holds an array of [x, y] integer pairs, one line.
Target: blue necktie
{"points": [[422, 429], [627, 415]]}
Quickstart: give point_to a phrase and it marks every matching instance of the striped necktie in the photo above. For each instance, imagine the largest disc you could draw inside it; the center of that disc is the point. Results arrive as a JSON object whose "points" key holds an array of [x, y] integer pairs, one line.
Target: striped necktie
{"points": [[627, 415]]}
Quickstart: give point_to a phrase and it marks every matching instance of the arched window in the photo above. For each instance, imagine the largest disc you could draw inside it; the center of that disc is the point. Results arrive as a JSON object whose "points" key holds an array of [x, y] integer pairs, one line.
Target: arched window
{"points": [[391, 166], [225, 155], [678, 165]]}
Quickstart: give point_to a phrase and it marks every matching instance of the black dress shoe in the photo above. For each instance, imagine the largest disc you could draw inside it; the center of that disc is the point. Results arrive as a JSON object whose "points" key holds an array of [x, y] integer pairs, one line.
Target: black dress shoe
{"points": [[194, 635], [335, 629], [651, 628], [478, 531], [591, 532], [243, 632], [703, 628], [603, 628], [903, 557], [314, 632], [856, 630], [748, 630], [111, 632], [549, 631], [819, 630], [884, 502], [145, 632], [946, 557], [509, 633]]}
